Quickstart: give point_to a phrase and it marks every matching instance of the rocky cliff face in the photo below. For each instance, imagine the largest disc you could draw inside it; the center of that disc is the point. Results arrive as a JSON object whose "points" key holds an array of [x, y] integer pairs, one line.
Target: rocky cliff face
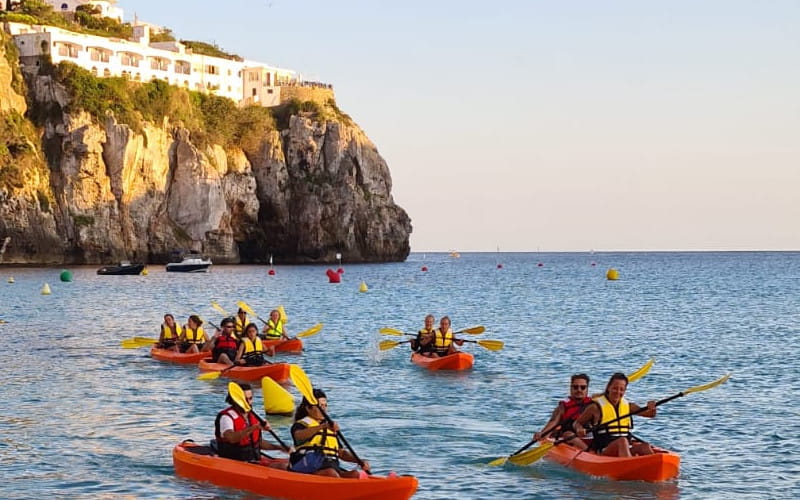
{"points": [[100, 192]]}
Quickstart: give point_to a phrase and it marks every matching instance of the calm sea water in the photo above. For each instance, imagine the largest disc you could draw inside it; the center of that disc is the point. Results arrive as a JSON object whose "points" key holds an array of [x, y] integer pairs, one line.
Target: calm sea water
{"points": [[83, 418]]}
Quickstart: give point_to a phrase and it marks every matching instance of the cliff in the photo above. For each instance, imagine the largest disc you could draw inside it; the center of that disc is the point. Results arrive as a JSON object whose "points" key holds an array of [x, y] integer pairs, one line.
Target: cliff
{"points": [[92, 187]]}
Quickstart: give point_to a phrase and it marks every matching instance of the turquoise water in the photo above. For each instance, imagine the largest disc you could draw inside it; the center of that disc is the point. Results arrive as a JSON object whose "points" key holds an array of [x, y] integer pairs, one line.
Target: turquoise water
{"points": [[84, 418]]}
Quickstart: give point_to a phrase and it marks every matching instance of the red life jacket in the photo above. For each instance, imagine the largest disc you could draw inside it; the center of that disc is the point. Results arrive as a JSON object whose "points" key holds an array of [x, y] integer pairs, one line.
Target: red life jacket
{"points": [[572, 410], [247, 448], [225, 342]]}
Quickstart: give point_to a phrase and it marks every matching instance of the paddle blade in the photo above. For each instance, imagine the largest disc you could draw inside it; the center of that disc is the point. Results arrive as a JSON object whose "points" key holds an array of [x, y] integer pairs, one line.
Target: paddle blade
{"points": [[303, 384], [277, 400], [641, 372], [385, 345], [237, 395], [208, 376], [391, 331], [311, 331], [709, 385], [528, 457], [219, 308], [284, 318], [498, 461], [246, 308], [492, 345], [145, 340], [130, 344], [475, 330]]}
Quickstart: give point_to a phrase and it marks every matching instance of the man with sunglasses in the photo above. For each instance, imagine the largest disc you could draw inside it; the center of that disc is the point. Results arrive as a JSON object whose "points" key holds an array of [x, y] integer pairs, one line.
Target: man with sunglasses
{"points": [[224, 343], [560, 423]]}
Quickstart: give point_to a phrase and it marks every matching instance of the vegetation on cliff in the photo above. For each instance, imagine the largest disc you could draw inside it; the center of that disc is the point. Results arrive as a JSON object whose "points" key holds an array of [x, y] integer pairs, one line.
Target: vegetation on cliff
{"points": [[86, 19]]}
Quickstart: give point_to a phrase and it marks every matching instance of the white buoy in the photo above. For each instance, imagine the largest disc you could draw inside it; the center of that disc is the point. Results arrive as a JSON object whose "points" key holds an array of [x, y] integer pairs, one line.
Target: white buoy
{"points": [[46, 289], [10, 279], [363, 287]]}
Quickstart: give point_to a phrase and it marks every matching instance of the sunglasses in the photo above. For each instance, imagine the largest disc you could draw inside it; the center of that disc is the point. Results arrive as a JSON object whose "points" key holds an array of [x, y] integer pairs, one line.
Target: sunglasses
{"points": [[579, 387]]}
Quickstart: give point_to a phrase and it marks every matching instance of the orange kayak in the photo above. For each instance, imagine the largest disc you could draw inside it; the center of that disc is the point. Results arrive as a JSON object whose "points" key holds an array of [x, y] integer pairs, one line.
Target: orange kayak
{"points": [[199, 462], [455, 361], [660, 466], [279, 372], [177, 357], [293, 346]]}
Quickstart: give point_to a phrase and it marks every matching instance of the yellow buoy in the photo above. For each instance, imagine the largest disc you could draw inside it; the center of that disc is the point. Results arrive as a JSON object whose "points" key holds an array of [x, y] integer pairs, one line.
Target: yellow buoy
{"points": [[10, 279], [277, 400], [144, 272], [612, 274], [46, 289], [363, 287]]}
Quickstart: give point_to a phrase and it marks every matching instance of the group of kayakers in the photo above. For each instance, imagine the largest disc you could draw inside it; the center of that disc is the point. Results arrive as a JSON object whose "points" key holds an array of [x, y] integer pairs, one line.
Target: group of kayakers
{"points": [[435, 342], [316, 450], [236, 341], [609, 414]]}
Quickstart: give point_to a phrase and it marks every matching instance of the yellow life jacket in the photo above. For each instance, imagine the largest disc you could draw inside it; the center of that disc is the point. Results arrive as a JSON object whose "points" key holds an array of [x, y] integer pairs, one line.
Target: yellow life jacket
{"points": [[169, 334], [250, 346], [443, 340], [619, 427], [274, 331], [194, 336], [239, 325], [324, 440]]}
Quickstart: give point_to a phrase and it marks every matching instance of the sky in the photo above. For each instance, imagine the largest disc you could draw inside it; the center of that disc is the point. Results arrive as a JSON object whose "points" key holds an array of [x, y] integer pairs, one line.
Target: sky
{"points": [[560, 125]]}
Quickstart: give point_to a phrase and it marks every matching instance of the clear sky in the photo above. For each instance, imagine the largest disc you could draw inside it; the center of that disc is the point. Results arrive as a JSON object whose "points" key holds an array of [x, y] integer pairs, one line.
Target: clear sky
{"points": [[552, 125]]}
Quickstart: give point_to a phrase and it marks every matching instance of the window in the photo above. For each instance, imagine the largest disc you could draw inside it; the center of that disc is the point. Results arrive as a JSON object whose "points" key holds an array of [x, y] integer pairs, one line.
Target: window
{"points": [[106, 72], [64, 6], [254, 92], [94, 70]]}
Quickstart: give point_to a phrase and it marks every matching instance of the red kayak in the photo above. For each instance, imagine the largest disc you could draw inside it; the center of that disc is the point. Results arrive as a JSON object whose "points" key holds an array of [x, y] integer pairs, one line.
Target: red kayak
{"points": [[177, 357], [291, 346], [200, 463], [279, 372], [455, 361], [660, 466]]}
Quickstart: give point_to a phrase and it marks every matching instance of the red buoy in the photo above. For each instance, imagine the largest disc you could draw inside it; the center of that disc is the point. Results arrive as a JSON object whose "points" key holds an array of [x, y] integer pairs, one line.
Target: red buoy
{"points": [[424, 268], [499, 266], [271, 272], [539, 264], [333, 276], [340, 271]]}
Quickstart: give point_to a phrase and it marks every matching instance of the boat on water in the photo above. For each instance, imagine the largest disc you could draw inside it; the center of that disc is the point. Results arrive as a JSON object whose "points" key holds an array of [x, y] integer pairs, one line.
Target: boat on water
{"points": [[124, 268], [662, 465], [456, 361], [178, 357], [201, 463], [190, 264], [279, 372]]}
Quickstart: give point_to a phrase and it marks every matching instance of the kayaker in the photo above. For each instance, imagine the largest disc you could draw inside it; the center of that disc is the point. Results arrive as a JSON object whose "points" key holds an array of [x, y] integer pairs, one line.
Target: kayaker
{"points": [[238, 432], [170, 333], [317, 447], [615, 439], [241, 323], [275, 328], [193, 337], [251, 350], [560, 424], [444, 340], [223, 344], [423, 344]]}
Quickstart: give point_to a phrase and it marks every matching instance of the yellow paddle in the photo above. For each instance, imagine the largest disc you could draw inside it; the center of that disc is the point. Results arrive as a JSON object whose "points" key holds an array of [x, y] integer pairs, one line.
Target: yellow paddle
{"points": [[303, 384], [475, 330], [214, 375], [492, 345], [249, 310], [311, 331], [535, 454], [641, 372], [219, 309]]}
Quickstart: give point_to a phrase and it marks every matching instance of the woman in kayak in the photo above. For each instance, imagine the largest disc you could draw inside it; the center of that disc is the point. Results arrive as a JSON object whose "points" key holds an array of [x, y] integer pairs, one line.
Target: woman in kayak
{"points": [[275, 328], [170, 333], [614, 439], [238, 432], [317, 447], [560, 423], [423, 344], [193, 336], [444, 341], [251, 350]]}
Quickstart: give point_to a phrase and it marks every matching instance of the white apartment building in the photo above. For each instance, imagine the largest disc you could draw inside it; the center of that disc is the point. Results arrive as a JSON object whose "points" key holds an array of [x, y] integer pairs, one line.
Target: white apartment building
{"points": [[107, 8], [139, 60]]}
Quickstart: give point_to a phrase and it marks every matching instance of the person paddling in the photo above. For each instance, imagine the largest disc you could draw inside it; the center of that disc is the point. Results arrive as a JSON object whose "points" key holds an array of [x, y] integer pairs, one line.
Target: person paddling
{"points": [[275, 328], [241, 323], [444, 341], [193, 337], [563, 416], [223, 344], [238, 432], [170, 333], [615, 439], [251, 349], [424, 344], [317, 446]]}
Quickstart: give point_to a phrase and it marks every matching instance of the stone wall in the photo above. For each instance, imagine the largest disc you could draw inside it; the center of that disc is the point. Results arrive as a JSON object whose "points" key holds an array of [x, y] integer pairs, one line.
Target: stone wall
{"points": [[317, 94]]}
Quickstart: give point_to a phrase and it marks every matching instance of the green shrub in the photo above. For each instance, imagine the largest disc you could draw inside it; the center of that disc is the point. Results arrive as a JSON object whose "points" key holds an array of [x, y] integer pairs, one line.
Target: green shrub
{"points": [[208, 49]]}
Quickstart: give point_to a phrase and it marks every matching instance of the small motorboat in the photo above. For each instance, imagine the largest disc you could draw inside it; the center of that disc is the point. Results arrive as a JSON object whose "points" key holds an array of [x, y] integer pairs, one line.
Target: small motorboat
{"points": [[124, 268], [190, 264]]}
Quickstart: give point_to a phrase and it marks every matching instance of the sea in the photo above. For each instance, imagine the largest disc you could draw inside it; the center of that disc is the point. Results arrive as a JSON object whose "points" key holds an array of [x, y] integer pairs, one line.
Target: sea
{"points": [[82, 417]]}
